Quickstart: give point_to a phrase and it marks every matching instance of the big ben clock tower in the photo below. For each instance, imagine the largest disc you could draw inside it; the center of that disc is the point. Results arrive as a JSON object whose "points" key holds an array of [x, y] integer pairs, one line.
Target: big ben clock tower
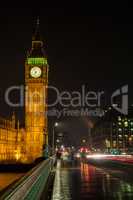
{"points": [[36, 81]]}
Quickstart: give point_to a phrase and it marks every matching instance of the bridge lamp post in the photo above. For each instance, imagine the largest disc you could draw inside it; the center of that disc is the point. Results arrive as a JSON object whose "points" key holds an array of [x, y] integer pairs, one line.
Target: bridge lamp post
{"points": [[53, 140]]}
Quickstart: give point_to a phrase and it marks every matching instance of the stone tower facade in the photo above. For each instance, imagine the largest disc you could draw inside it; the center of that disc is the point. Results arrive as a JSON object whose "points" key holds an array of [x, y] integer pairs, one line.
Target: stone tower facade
{"points": [[36, 82]]}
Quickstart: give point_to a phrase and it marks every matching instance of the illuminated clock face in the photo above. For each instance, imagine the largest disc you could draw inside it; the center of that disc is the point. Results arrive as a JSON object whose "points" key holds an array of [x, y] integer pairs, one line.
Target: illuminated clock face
{"points": [[35, 72]]}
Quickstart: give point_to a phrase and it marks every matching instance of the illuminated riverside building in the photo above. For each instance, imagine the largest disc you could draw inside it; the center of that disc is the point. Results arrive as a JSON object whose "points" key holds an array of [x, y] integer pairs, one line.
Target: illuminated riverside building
{"points": [[26, 144], [122, 133], [115, 134]]}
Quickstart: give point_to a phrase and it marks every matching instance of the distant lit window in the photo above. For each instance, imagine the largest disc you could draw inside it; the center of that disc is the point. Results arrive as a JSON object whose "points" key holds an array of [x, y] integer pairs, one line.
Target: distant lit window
{"points": [[131, 123], [119, 118], [126, 123], [126, 136]]}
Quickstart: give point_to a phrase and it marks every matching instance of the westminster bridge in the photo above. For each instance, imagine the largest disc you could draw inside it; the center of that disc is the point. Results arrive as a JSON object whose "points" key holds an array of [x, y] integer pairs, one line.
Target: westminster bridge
{"points": [[93, 179]]}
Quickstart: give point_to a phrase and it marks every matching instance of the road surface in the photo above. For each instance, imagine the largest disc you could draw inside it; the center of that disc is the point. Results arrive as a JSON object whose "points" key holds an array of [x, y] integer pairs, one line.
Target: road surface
{"points": [[92, 183]]}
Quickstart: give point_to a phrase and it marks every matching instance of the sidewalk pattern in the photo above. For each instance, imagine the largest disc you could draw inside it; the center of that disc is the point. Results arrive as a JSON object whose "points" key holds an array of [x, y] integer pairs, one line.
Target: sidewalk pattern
{"points": [[62, 184]]}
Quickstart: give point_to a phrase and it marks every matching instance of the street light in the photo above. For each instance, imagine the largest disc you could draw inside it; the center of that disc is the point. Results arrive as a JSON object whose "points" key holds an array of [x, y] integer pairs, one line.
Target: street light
{"points": [[90, 137], [53, 146], [56, 124]]}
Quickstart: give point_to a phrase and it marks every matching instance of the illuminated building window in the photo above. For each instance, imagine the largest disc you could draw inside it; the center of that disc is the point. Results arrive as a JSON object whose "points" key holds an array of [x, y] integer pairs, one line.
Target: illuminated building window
{"points": [[114, 143], [126, 123], [131, 123], [120, 130], [126, 136], [119, 118]]}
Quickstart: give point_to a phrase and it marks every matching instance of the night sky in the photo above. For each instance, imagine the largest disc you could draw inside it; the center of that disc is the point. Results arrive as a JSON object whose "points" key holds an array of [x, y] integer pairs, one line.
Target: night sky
{"points": [[85, 44]]}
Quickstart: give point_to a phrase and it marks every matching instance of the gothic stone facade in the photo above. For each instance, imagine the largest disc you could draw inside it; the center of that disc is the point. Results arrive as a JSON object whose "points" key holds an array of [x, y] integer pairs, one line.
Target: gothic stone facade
{"points": [[26, 144]]}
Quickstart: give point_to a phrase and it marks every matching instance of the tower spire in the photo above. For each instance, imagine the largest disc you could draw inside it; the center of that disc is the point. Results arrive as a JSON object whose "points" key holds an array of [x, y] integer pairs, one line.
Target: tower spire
{"points": [[37, 42], [38, 21], [37, 35]]}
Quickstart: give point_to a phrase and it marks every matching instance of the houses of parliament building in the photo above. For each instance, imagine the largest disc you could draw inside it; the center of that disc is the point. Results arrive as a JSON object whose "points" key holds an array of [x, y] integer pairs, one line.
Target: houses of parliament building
{"points": [[25, 145]]}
